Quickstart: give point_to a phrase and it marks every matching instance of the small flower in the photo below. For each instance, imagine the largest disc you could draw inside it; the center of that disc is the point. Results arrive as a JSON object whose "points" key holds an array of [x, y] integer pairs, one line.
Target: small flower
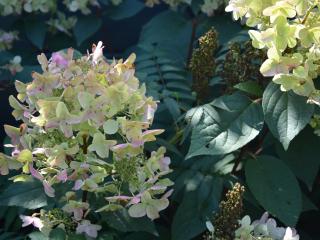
{"points": [[35, 173], [48, 189], [62, 176], [59, 59], [77, 208], [97, 52], [89, 229], [148, 206], [245, 228], [291, 234], [100, 145], [28, 220]]}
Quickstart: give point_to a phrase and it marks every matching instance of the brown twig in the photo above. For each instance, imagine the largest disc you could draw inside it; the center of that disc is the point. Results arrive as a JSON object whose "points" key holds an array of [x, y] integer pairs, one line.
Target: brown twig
{"points": [[192, 38], [85, 151], [256, 152], [84, 196]]}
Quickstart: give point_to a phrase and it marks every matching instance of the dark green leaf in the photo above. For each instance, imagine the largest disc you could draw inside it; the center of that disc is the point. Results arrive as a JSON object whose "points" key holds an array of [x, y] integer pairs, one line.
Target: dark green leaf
{"points": [[36, 32], [24, 194], [126, 9], [227, 124], [76, 237], [250, 87], [275, 187], [173, 107], [86, 27], [173, 37], [303, 159], [197, 205], [38, 236], [5, 57], [57, 234], [121, 221], [285, 113]]}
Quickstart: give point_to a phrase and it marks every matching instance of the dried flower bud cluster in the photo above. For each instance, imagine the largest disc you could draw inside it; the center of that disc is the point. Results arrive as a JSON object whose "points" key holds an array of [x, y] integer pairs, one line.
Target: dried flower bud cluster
{"points": [[226, 221], [85, 122], [242, 63], [202, 63]]}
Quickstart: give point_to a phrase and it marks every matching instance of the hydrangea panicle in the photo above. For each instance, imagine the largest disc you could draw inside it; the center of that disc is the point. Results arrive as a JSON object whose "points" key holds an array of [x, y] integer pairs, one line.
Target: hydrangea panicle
{"points": [[85, 122], [289, 31]]}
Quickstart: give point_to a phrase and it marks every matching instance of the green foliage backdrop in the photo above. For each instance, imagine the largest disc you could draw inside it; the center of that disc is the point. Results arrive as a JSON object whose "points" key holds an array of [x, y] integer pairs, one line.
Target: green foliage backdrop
{"points": [[239, 103]]}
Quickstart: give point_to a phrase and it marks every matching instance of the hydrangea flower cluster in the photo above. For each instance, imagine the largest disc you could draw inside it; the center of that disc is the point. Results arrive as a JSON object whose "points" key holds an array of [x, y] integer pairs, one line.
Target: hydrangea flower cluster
{"points": [[264, 228], [226, 225], [13, 66], [58, 20], [289, 30], [210, 6], [80, 5], [8, 7], [7, 39], [207, 6], [85, 123], [62, 23]]}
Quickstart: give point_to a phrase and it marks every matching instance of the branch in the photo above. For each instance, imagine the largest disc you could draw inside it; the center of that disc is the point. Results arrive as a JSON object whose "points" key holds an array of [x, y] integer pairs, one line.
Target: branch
{"points": [[85, 151], [257, 151]]}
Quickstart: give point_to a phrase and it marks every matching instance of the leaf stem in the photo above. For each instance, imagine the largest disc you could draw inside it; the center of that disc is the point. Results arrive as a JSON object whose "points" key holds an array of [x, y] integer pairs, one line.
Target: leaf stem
{"points": [[307, 14]]}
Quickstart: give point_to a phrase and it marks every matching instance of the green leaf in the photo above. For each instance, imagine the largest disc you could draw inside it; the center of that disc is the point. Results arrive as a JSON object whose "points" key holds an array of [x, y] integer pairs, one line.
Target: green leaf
{"points": [[307, 204], [5, 57], [57, 234], [197, 205], [303, 159], [24, 194], [77, 237], [126, 9], [285, 113], [121, 221], [25, 156], [110, 126], [161, 30], [86, 27], [36, 31], [228, 29], [250, 87], [226, 124], [38, 236], [275, 187], [173, 107]]}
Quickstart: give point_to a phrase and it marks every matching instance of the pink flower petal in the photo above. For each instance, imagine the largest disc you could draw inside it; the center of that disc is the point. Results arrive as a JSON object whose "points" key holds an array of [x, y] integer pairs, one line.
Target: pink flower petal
{"points": [[26, 220], [59, 59], [35, 173], [62, 176], [78, 184], [48, 189]]}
